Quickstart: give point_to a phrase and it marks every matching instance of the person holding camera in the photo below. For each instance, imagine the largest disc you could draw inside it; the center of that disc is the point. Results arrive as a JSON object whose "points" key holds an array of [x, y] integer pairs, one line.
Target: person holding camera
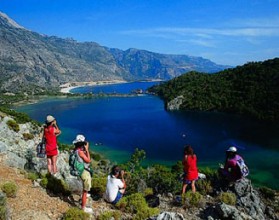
{"points": [[82, 149], [116, 185], [51, 131]]}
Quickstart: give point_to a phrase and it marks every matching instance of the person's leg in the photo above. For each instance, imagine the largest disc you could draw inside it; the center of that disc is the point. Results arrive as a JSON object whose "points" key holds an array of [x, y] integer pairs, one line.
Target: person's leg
{"points": [[54, 167], [86, 179], [184, 186], [193, 186], [49, 164], [83, 199], [118, 197]]}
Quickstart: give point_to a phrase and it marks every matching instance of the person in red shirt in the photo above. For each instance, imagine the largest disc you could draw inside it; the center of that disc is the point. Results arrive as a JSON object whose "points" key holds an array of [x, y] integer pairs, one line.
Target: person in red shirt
{"points": [[51, 131], [190, 169]]}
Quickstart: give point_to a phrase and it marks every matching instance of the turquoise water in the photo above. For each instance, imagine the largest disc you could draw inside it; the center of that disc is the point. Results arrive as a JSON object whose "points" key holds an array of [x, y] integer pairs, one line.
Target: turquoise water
{"points": [[115, 126]]}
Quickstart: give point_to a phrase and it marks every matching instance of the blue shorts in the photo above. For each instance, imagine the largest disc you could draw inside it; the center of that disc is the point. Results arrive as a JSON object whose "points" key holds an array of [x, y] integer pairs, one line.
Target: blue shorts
{"points": [[189, 181], [118, 197]]}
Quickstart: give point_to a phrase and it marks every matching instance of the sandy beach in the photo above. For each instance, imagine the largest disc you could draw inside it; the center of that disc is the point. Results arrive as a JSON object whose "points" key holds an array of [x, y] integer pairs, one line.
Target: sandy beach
{"points": [[67, 87]]}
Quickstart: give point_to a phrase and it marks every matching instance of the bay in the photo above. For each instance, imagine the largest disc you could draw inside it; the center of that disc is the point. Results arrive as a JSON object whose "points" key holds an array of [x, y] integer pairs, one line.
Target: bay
{"points": [[115, 126]]}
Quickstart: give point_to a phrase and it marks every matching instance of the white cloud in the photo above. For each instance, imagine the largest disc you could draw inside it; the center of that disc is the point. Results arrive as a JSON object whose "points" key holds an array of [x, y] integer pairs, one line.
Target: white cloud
{"points": [[237, 28]]}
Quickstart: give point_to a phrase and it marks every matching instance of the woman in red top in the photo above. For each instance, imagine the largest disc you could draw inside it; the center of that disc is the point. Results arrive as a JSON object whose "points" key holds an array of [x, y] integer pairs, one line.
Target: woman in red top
{"points": [[51, 131], [190, 169]]}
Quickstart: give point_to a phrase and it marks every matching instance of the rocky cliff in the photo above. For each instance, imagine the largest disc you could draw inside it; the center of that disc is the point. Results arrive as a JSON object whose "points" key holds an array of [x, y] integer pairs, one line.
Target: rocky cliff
{"points": [[35, 62]]}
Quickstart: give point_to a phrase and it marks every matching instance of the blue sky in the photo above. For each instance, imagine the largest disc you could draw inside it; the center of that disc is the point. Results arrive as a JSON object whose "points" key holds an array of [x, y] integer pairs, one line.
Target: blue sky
{"points": [[229, 32]]}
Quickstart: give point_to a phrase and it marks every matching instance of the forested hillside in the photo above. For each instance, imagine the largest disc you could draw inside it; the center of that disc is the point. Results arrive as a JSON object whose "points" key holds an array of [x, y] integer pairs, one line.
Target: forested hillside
{"points": [[251, 89]]}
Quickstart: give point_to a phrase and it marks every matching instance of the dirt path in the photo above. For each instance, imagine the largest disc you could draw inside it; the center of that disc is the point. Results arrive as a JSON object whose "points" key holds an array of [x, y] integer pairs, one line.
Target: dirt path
{"points": [[31, 202]]}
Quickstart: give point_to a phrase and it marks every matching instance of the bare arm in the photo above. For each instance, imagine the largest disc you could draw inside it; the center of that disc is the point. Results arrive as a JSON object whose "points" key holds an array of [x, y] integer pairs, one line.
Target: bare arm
{"points": [[85, 155], [57, 131], [122, 178]]}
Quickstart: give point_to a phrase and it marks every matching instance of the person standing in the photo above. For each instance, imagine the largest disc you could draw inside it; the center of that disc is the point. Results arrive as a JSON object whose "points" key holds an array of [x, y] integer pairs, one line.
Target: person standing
{"points": [[51, 131], [190, 169], [116, 185], [82, 150]]}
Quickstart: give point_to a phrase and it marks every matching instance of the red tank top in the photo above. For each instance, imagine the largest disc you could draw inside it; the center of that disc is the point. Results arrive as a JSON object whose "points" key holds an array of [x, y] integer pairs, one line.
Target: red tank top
{"points": [[190, 168], [51, 141]]}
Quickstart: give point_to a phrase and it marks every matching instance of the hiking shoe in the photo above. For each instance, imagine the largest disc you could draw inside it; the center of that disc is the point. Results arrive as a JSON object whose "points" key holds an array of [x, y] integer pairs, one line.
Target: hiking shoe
{"points": [[88, 210]]}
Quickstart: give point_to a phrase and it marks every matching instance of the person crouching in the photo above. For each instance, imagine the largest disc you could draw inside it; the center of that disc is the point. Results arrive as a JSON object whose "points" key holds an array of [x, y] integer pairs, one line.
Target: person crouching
{"points": [[116, 185]]}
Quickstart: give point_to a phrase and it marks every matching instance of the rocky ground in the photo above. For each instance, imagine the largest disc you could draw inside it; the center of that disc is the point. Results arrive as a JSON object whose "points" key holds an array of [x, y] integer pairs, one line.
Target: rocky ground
{"points": [[34, 202], [31, 202]]}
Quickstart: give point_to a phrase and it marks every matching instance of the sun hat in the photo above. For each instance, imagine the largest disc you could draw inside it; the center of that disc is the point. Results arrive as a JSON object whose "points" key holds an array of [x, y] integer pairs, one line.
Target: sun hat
{"points": [[79, 138], [49, 119], [232, 149]]}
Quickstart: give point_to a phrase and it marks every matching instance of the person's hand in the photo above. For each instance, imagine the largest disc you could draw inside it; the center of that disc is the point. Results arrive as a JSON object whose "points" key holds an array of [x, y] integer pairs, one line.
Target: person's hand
{"points": [[54, 123], [86, 146], [122, 173]]}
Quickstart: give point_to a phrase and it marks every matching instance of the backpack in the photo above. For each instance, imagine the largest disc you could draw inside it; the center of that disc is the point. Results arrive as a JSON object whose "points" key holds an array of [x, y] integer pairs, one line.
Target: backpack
{"points": [[242, 167], [41, 149], [76, 167]]}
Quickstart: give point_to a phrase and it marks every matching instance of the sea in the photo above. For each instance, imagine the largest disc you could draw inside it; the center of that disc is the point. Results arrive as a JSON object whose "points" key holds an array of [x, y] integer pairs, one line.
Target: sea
{"points": [[116, 125]]}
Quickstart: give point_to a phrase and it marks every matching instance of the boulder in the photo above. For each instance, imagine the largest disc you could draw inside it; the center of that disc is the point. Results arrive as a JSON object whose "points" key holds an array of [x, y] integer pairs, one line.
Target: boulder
{"points": [[168, 216], [249, 199], [3, 147], [13, 160], [230, 212]]}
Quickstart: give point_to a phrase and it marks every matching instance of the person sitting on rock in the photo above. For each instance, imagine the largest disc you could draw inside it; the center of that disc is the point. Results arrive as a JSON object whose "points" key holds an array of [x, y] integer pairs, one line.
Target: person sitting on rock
{"points": [[231, 171], [116, 185], [82, 147]]}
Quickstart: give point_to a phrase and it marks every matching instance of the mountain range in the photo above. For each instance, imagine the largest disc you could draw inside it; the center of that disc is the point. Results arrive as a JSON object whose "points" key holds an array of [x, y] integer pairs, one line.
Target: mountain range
{"points": [[34, 62]]}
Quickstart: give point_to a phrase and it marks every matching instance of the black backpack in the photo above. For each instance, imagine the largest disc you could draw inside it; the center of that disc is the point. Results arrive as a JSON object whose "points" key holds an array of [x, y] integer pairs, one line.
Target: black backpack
{"points": [[41, 148]]}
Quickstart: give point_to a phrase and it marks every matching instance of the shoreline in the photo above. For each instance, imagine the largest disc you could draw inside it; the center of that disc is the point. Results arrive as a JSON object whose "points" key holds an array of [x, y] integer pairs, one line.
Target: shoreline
{"points": [[67, 87]]}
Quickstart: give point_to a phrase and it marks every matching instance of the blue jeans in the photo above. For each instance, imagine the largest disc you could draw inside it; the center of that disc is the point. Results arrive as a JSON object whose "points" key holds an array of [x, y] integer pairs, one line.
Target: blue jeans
{"points": [[118, 197]]}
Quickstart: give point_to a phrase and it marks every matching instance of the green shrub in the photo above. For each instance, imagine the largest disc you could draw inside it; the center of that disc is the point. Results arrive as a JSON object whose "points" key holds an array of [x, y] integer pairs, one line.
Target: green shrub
{"points": [[32, 176], [3, 206], [103, 162], [162, 180], [146, 213], [204, 186], [27, 136], [64, 147], [20, 117], [109, 214], [136, 204], [99, 186], [44, 182], [13, 125], [148, 191], [95, 156], [267, 192], [209, 172], [56, 186], [228, 198], [75, 213], [193, 199], [10, 189]]}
